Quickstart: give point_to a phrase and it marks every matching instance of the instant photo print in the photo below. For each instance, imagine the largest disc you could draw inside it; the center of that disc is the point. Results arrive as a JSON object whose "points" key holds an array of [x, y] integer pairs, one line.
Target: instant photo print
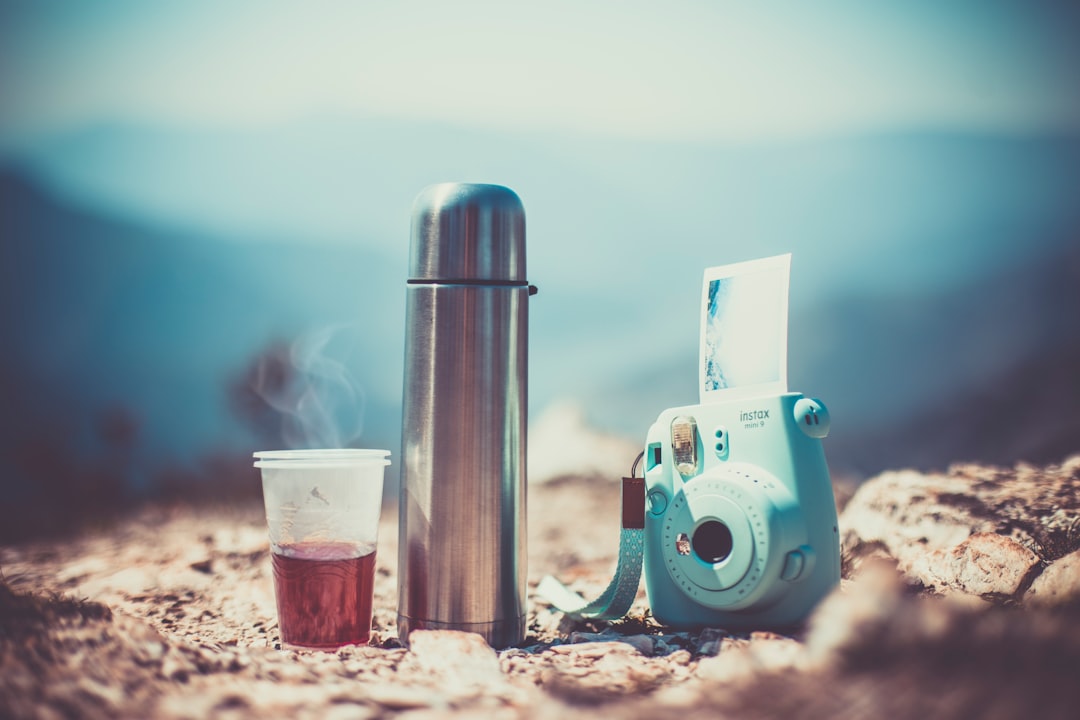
{"points": [[744, 329]]}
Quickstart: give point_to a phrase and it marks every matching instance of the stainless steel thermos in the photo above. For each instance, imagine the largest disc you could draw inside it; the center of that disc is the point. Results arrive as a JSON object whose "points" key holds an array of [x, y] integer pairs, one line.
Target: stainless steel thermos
{"points": [[462, 551]]}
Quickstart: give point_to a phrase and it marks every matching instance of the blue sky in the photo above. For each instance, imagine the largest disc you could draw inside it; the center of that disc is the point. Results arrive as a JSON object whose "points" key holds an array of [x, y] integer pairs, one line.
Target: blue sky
{"points": [[699, 71]]}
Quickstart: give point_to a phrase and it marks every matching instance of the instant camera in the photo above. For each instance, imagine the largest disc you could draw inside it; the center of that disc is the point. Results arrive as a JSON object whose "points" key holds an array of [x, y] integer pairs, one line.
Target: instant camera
{"points": [[740, 518]]}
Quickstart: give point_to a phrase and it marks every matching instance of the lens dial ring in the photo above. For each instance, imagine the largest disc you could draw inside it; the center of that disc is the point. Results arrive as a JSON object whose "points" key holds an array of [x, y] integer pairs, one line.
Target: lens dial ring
{"points": [[735, 499]]}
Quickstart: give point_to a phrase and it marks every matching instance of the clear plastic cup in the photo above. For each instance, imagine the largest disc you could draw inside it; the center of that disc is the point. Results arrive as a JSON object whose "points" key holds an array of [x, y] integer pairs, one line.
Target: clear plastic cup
{"points": [[322, 510]]}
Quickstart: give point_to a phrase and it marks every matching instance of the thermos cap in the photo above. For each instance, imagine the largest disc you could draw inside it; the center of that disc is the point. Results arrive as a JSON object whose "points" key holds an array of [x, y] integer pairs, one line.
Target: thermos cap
{"points": [[467, 232]]}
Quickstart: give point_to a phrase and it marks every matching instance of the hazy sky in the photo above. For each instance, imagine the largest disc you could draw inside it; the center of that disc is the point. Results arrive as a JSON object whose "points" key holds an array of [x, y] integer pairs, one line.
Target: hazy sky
{"points": [[675, 70]]}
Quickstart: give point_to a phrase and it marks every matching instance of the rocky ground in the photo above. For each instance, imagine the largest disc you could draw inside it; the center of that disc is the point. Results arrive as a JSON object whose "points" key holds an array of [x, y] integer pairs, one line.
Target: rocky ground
{"points": [[961, 597]]}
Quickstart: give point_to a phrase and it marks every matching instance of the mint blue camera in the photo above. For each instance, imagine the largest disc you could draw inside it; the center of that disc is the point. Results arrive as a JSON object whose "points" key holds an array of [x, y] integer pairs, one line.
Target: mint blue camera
{"points": [[740, 518]]}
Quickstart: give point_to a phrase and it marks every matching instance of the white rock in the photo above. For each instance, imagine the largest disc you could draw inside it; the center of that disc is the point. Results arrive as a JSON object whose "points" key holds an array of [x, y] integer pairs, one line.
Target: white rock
{"points": [[1058, 583], [892, 509], [983, 564], [459, 661], [596, 650], [644, 644], [562, 443]]}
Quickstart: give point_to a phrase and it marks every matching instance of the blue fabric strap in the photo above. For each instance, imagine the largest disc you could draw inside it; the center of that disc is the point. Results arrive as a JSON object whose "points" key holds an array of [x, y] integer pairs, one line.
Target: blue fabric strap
{"points": [[616, 600]]}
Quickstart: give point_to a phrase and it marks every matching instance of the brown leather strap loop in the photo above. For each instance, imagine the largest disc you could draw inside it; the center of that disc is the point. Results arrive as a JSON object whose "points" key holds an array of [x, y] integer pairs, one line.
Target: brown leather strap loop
{"points": [[633, 503]]}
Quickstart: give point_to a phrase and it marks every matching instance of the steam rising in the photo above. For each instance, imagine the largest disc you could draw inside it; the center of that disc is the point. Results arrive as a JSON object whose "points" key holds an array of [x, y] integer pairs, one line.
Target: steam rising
{"points": [[321, 404]]}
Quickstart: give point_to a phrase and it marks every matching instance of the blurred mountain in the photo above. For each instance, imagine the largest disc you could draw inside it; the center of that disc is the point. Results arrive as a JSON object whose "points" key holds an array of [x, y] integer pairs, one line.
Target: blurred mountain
{"points": [[901, 212], [986, 371], [112, 327], [143, 274], [619, 231]]}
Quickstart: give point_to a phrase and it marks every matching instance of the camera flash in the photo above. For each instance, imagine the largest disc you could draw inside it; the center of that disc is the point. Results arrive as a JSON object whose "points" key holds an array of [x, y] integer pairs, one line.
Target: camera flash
{"points": [[684, 445]]}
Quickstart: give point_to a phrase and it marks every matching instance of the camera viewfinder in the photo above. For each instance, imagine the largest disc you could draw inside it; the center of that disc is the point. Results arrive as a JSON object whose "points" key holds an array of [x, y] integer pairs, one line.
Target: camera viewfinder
{"points": [[684, 445]]}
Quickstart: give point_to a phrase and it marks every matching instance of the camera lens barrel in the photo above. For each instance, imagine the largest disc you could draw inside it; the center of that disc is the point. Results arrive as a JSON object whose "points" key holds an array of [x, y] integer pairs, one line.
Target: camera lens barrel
{"points": [[712, 541]]}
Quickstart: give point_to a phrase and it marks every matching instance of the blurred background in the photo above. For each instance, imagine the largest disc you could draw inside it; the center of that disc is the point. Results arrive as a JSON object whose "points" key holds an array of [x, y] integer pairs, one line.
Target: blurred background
{"points": [[204, 220]]}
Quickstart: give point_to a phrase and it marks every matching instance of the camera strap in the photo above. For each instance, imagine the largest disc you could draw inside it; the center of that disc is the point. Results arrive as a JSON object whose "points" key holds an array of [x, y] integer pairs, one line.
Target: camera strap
{"points": [[616, 600]]}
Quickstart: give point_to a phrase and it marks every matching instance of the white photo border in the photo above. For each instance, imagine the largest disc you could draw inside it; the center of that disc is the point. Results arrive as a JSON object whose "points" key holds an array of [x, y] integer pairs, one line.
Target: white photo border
{"points": [[777, 264]]}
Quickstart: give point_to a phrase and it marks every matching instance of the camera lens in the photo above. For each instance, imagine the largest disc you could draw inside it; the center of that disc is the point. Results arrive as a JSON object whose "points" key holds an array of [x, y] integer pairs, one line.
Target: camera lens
{"points": [[712, 541]]}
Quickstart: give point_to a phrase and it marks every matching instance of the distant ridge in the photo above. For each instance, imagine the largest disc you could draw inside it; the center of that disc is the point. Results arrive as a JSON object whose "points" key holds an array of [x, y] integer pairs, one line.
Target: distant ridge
{"points": [[934, 279]]}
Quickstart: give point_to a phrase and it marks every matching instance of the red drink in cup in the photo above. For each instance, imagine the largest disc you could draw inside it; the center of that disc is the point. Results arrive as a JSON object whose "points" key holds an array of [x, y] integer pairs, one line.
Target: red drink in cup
{"points": [[324, 593], [322, 509]]}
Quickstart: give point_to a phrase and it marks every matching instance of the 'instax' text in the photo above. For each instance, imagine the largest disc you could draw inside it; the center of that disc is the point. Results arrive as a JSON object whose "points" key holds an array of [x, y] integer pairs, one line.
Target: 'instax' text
{"points": [[751, 419]]}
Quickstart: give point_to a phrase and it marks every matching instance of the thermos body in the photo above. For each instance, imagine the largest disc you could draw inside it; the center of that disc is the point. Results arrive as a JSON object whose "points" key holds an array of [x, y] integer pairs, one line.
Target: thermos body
{"points": [[462, 533]]}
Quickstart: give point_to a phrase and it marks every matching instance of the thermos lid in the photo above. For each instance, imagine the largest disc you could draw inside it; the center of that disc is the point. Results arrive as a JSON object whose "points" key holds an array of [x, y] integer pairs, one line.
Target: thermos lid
{"points": [[467, 232]]}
